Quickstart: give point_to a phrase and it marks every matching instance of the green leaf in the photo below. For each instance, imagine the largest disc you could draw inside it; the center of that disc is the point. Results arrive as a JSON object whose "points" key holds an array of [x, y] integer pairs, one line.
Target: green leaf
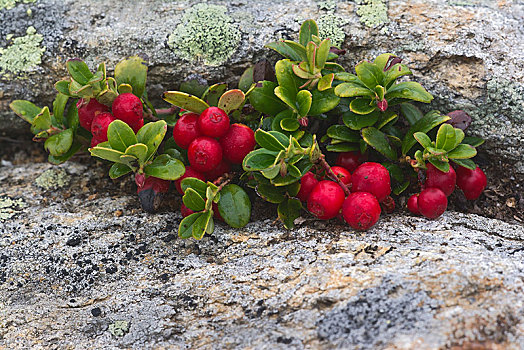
{"points": [[71, 118], [343, 147], [466, 163], [362, 106], [106, 153], [118, 170], [272, 172], [323, 101], [395, 171], [152, 135], [165, 167], [194, 183], [326, 82], [42, 121], [298, 48], [264, 100], [311, 53], [66, 156], [459, 137], [193, 87], [132, 71], [409, 90], [370, 74], [423, 139], [25, 110], [120, 135], [139, 151], [353, 89], [473, 141], [213, 93], [231, 100], [79, 71], [286, 77], [284, 181], [387, 117], [307, 30], [462, 151], [343, 133], [347, 77], [62, 86], [202, 225], [445, 137], [440, 165], [428, 122], [246, 80], [270, 141], [379, 141], [288, 211], [193, 200], [59, 105], [125, 88], [358, 121], [411, 112], [60, 143], [275, 123], [234, 206], [401, 187], [185, 230], [294, 171], [270, 193], [287, 97], [185, 101], [322, 53], [395, 72], [304, 99], [259, 159], [382, 60], [285, 50], [289, 124]]}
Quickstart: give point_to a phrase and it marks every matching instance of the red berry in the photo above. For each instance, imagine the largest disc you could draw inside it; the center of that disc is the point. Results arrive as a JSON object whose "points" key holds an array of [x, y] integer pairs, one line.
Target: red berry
{"points": [[204, 153], [128, 108], [438, 179], [373, 178], [237, 143], [190, 172], [361, 210], [186, 130], [86, 112], [471, 182], [325, 200], [307, 184], [137, 126], [100, 124], [151, 193], [218, 171], [185, 210], [156, 184], [95, 141], [432, 202], [413, 204], [343, 174], [216, 213], [213, 122], [350, 160]]}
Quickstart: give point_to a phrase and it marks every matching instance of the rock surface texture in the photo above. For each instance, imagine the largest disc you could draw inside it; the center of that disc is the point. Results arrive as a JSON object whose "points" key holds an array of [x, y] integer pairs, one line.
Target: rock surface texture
{"points": [[468, 54], [86, 269]]}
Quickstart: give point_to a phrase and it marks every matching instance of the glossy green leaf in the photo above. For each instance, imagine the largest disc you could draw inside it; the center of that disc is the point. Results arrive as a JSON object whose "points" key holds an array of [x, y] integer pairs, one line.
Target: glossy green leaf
{"points": [[400, 187], [323, 101], [286, 77], [270, 141], [473, 141], [214, 92], [440, 165], [185, 101], [263, 99], [298, 48], [284, 181], [125, 88], [382, 60], [307, 30], [370, 74], [79, 71], [246, 80], [287, 97], [193, 200], [428, 122], [353, 89], [462, 151], [71, 117], [294, 171], [343, 147], [358, 121], [165, 167], [395, 171], [231, 100], [259, 159], [139, 151], [343, 133], [120, 135], [379, 141], [362, 106], [304, 99], [322, 53], [395, 72], [409, 90], [311, 53], [272, 172], [445, 137], [326, 82], [270, 193], [60, 143], [423, 139], [288, 211], [234, 206], [196, 184], [193, 87], [289, 124], [411, 112], [459, 137], [385, 118], [62, 86], [466, 163], [66, 156], [106, 153], [59, 105], [285, 50], [347, 77], [42, 121], [117, 170], [203, 224], [185, 230], [132, 71], [152, 135], [25, 110]]}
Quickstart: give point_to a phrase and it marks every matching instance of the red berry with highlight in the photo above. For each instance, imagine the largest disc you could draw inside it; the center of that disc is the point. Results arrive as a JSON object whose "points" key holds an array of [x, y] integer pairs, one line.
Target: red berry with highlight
{"points": [[325, 200], [361, 210], [218, 171], [213, 122], [432, 202], [100, 124], [350, 160], [190, 172], [307, 184], [186, 130], [204, 153], [413, 204], [471, 182], [237, 143], [128, 108], [439, 179], [373, 178], [343, 174], [87, 112]]}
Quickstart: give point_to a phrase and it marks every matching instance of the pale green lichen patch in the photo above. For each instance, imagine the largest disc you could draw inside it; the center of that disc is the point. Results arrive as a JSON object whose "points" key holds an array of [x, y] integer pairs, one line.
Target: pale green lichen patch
{"points": [[23, 54], [9, 4], [207, 33], [328, 5], [119, 328], [506, 96], [53, 179], [373, 12], [330, 26], [9, 207]]}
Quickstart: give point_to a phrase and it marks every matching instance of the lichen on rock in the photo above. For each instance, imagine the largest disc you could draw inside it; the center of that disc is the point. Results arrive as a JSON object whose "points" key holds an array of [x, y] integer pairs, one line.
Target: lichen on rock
{"points": [[373, 12], [330, 26], [205, 32], [53, 179], [22, 55], [9, 4], [9, 207]]}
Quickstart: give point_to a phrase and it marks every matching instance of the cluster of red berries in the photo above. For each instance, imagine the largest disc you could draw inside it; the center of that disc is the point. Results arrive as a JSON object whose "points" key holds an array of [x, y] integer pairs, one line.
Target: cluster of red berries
{"points": [[432, 201], [95, 117]]}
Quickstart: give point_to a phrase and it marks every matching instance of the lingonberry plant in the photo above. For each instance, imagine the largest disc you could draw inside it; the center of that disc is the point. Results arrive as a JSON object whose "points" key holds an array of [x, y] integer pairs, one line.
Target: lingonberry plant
{"points": [[274, 134]]}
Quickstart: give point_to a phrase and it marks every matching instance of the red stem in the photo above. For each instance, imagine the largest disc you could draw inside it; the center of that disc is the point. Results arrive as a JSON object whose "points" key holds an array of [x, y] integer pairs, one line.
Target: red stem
{"points": [[332, 175]]}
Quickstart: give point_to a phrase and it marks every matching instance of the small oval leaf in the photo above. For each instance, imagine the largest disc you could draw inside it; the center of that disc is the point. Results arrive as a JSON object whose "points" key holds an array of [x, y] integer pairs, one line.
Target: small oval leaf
{"points": [[234, 206]]}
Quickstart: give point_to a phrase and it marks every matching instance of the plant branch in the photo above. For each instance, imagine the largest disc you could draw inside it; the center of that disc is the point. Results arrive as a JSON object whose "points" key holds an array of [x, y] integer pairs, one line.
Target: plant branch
{"points": [[331, 174]]}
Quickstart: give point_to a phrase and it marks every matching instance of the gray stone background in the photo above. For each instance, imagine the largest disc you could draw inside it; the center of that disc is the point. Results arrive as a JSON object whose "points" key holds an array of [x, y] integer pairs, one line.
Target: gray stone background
{"points": [[82, 267]]}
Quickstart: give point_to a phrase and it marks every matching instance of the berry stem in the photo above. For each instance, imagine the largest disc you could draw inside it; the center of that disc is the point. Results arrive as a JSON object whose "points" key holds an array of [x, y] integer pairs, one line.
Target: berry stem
{"points": [[331, 174], [223, 180]]}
